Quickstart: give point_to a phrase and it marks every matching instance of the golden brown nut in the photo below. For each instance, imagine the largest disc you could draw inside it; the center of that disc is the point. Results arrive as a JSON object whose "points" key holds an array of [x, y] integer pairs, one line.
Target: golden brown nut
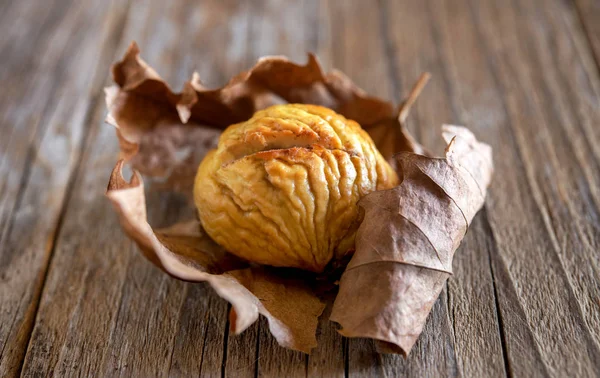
{"points": [[281, 188]]}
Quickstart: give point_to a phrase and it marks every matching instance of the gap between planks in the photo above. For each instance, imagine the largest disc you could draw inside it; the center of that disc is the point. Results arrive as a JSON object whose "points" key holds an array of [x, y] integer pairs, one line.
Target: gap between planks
{"points": [[492, 238]]}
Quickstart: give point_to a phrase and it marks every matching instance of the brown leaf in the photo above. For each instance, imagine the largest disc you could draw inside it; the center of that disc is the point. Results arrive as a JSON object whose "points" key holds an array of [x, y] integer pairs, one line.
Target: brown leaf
{"points": [[403, 256], [165, 134], [185, 252], [274, 79], [155, 141], [406, 242]]}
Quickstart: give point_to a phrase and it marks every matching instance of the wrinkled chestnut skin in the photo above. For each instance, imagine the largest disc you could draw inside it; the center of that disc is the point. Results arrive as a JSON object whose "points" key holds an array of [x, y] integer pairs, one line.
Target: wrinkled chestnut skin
{"points": [[281, 189]]}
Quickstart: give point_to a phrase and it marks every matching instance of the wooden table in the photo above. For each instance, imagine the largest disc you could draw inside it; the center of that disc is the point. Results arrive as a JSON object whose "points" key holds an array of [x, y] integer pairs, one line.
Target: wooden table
{"points": [[76, 297]]}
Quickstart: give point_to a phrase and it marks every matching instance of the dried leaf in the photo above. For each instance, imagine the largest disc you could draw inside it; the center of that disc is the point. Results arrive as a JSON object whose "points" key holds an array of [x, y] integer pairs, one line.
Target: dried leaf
{"points": [[406, 242], [403, 257], [185, 252], [165, 134]]}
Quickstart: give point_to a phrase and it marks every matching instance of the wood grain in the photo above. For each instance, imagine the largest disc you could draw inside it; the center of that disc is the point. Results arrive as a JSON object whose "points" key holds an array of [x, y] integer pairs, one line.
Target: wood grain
{"points": [[328, 359], [45, 114], [379, 70], [113, 313], [589, 16], [78, 299], [474, 307], [504, 104], [476, 338], [571, 94]]}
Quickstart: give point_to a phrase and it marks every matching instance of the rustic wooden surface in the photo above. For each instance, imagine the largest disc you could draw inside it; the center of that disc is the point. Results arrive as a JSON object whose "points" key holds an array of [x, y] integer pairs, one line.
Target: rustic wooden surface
{"points": [[76, 298]]}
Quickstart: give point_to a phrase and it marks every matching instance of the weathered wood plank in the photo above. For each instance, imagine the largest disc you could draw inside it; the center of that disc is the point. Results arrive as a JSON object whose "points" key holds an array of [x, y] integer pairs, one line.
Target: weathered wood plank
{"points": [[20, 129], [113, 313], [44, 112], [328, 358], [21, 125], [470, 293], [519, 344], [496, 73], [473, 305], [569, 104], [468, 61], [198, 349], [377, 57], [279, 28], [215, 44], [589, 14], [350, 39], [275, 361], [432, 356], [570, 88], [243, 354]]}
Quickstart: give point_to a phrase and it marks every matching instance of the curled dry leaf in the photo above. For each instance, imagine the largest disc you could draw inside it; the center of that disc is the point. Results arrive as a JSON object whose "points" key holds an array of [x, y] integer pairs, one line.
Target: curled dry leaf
{"points": [[185, 252], [164, 135], [406, 242], [400, 252]]}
